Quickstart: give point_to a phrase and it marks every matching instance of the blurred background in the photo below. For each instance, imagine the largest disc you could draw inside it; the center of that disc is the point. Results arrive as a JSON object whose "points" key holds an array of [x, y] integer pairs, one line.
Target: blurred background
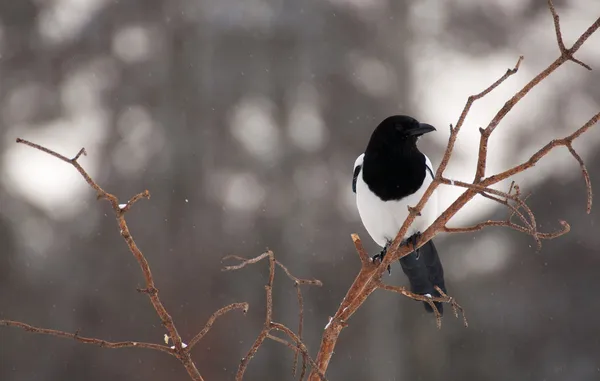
{"points": [[243, 119]]}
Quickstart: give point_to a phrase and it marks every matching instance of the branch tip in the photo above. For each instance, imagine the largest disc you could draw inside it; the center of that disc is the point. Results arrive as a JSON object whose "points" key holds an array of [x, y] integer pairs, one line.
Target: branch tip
{"points": [[82, 151], [567, 54], [586, 176]]}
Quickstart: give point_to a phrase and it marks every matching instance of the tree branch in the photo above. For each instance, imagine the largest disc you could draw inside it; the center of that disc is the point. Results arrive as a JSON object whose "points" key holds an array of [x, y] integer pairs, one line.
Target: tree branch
{"points": [[235, 306], [269, 324], [368, 278], [566, 55], [561, 45], [179, 350], [87, 340]]}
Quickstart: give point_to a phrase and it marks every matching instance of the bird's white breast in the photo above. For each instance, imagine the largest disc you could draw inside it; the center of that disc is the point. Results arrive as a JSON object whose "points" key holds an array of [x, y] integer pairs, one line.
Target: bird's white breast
{"points": [[383, 219]]}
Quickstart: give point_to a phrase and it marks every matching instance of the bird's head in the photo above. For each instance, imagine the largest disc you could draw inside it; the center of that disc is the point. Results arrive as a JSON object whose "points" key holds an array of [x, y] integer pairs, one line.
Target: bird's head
{"points": [[399, 130]]}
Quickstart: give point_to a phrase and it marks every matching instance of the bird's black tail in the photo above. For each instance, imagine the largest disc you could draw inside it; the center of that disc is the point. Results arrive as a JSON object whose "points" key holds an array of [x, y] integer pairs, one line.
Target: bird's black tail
{"points": [[424, 272]]}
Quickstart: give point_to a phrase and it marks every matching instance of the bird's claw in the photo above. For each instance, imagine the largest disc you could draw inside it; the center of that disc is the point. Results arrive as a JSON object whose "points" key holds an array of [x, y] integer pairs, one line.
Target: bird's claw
{"points": [[379, 258], [413, 239]]}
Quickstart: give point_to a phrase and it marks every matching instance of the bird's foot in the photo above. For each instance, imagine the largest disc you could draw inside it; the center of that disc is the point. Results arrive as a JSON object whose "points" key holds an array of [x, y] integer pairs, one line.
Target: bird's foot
{"points": [[413, 239], [379, 258]]}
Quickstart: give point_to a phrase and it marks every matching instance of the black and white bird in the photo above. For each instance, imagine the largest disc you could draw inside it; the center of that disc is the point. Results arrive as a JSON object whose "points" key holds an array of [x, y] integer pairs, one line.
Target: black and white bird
{"points": [[389, 177]]}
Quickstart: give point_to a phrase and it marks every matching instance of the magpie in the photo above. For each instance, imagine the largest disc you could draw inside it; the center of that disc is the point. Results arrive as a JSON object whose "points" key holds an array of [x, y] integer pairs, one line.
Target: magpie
{"points": [[391, 175]]}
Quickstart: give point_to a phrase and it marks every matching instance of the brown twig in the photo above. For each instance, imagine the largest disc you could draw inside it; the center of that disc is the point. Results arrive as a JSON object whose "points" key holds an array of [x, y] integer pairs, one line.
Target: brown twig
{"points": [[443, 298], [235, 306], [568, 53], [364, 283], [486, 191], [566, 141], [300, 346], [470, 229], [300, 328], [87, 340], [513, 209], [150, 288], [586, 176], [268, 316], [530, 227], [268, 323], [491, 194], [456, 308], [179, 350], [296, 350]]}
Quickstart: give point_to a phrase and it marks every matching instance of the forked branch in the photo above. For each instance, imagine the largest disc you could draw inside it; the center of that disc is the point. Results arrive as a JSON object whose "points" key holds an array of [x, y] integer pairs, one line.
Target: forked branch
{"points": [[180, 350], [269, 324], [369, 277]]}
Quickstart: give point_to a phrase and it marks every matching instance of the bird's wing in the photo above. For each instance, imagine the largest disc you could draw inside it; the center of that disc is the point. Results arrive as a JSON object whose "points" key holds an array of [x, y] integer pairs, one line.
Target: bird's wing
{"points": [[429, 166], [357, 166]]}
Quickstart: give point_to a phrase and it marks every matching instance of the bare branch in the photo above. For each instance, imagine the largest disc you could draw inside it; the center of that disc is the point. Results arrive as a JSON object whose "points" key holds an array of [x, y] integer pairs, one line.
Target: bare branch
{"points": [[140, 196], [268, 316], [565, 228], [244, 261], [455, 306], [269, 324], [483, 142], [362, 254], [301, 346], [310, 282], [101, 193], [466, 109], [485, 191], [235, 306], [586, 176], [150, 288], [543, 152], [561, 45], [300, 328], [87, 340], [444, 298]]}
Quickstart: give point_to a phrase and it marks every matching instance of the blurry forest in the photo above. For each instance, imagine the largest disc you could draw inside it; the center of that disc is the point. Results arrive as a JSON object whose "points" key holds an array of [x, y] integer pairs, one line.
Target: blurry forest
{"points": [[243, 119]]}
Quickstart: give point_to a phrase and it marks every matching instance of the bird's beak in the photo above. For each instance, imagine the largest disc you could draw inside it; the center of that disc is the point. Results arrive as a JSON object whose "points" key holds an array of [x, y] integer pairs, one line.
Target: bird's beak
{"points": [[422, 129]]}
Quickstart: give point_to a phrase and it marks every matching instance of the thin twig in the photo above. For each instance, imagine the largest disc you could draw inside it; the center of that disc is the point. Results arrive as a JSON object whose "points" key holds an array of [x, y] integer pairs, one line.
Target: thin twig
{"points": [[566, 141], [297, 351], [300, 327], [362, 253], [514, 209], [443, 298], [561, 45], [87, 340], [566, 55], [234, 306], [311, 282], [485, 191], [268, 315], [150, 288], [301, 346], [268, 323], [586, 176], [470, 229]]}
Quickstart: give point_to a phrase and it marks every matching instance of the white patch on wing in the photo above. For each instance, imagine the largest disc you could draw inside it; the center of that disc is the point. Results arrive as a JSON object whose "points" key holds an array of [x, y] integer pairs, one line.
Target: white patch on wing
{"points": [[429, 165], [359, 160], [383, 219]]}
